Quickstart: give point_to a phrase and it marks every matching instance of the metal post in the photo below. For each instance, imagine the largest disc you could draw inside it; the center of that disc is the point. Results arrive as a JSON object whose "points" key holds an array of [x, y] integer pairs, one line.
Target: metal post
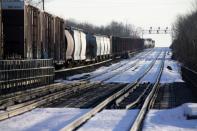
{"points": [[1, 31], [43, 4]]}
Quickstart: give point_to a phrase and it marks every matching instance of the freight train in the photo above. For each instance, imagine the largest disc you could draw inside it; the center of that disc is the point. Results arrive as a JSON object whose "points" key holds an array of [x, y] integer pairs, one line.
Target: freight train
{"points": [[29, 33]]}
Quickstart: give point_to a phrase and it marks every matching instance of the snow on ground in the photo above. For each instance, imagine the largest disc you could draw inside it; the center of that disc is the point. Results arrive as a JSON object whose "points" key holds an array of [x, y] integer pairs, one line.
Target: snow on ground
{"points": [[169, 120], [168, 54], [111, 73], [171, 72], [129, 76], [190, 109], [111, 120], [153, 73], [132, 74], [104, 69], [45, 119]]}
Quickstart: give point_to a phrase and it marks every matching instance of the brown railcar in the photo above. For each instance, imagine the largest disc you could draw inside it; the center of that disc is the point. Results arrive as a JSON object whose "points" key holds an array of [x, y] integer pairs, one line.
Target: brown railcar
{"points": [[59, 41], [122, 46], [32, 32], [47, 35]]}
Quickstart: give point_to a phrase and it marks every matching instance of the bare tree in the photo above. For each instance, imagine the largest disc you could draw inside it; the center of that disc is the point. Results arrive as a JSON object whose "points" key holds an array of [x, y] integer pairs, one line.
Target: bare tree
{"points": [[185, 39], [114, 28]]}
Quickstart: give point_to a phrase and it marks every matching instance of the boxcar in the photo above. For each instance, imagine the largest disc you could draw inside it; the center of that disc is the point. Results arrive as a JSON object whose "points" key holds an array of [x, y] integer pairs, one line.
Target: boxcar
{"points": [[122, 46]]}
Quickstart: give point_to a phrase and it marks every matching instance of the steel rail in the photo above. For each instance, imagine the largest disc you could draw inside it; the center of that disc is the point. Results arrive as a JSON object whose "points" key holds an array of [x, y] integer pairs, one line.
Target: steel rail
{"points": [[104, 72], [80, 67], [32, 104], [141, 115], [78, 122], [119, 100], [29, 105], [138, 100]]}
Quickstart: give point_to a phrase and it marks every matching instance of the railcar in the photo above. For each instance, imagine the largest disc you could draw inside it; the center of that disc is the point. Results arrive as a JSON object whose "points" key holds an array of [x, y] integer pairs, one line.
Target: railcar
{"points": [[103, 47], [69, 43], [123, 46], [149, 43], [46, 37], [91, 47]]}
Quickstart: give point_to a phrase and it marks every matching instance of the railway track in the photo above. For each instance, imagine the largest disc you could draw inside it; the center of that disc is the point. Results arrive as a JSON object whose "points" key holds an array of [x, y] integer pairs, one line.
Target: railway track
{"points": [[90, 97], [81, 120], [24, 101], [148, 102]]}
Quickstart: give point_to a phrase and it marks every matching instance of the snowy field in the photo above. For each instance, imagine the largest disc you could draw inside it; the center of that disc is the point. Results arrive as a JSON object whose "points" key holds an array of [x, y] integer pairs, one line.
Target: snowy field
{"points": [[170, 120], [48, 119], [53, 119]]}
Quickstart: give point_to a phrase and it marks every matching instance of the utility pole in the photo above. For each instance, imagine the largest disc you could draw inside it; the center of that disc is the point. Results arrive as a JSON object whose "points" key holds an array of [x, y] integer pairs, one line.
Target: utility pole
{"points": [[1, 31], [43, 4]]}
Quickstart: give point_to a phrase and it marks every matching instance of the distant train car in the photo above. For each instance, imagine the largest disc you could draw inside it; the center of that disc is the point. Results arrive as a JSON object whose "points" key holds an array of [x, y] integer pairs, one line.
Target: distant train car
{"points": [[69, 43], [149, 43], [103, 47], [122, 46], [79, 37], [91, 47]]}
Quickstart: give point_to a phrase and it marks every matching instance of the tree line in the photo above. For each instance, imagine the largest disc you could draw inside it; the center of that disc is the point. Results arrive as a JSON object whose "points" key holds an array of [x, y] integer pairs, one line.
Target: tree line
{"points": [[185, 39], [114, 28]]}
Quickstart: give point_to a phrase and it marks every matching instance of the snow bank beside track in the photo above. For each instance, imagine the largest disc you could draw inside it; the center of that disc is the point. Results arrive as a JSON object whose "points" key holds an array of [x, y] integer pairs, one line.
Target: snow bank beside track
{"points": [[169, 120], [171, 72], [42, 119]]}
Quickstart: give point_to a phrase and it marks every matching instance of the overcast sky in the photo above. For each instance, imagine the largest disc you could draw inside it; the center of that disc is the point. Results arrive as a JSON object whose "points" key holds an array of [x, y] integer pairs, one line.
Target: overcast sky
{"points": [[141, 13]]}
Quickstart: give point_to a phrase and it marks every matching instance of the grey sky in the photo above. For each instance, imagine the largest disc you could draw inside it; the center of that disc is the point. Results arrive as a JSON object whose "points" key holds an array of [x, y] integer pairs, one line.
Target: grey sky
{"points": [[141, 13]]}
